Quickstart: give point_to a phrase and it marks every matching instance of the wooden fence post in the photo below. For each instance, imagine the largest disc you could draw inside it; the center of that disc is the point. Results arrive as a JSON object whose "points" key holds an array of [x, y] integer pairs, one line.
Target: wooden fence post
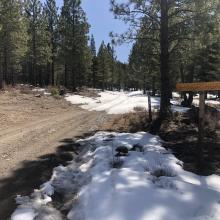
{"points": [[201, 122], [196, 87], [149, 107]]}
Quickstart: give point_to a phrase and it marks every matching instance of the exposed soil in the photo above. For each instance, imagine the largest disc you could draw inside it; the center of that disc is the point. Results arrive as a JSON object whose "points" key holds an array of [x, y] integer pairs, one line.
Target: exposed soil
{"points": [[180, 134], [35, 136]]}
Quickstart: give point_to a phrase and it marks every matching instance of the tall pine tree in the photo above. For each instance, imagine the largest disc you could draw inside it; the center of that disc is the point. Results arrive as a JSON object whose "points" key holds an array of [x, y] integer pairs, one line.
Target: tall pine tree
{"points": [[13, 40], [52, 26], [74, 39]]}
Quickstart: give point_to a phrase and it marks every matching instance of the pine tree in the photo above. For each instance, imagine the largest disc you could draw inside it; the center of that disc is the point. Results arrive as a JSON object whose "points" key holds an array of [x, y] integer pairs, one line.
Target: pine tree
{"points": [[92, 46], [74, 29], [207, 63], [112, 65], [39, 53], [94, 67], [52, 26], [103, 66], [13, 39]]}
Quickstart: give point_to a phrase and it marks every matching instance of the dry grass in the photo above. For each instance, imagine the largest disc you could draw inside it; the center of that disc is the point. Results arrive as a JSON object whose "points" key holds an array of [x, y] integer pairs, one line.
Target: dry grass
{"points": [[130, 122], [26, 90], [163, 172], [92, 93], [139, 109]]}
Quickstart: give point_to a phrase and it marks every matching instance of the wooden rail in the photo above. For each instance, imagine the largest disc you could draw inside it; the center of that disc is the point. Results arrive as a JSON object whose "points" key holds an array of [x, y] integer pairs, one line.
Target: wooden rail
{"points": [[198, 87]]}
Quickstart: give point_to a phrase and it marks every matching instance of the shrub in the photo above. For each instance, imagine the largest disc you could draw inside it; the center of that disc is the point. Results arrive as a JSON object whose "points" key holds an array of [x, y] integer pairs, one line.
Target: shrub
{"points": [[54, 91], [139, 109], [163, 172]]}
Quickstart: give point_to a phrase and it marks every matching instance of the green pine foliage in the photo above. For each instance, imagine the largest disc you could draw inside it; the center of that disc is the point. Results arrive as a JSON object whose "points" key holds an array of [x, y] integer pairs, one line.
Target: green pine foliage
{"points": [[39, 52], [74, 43], [207, 63], [13, 40], [51, 14]]}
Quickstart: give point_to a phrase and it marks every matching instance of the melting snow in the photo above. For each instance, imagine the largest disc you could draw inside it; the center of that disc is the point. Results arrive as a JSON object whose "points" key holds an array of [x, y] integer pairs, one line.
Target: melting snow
{"points": [[149, 185], [118, 102]]}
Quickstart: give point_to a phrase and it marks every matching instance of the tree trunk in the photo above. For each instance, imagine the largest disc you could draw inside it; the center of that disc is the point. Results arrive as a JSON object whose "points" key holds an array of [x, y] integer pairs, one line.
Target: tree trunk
{"points": [[5, 65], [201, 125], [94, 65], [153, 86], [187, 102], [103, 82], [34, 80], [53, 61], [1, 77], [164, 62], [52, 73], [144, 85], [93, 80], [182, 78], [73, 79], [65, 75], [12, 80], [40, 77]]}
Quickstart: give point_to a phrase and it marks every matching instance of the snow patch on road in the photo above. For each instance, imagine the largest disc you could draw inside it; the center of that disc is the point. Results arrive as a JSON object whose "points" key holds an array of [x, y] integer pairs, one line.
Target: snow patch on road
{"points": [[149, 185]]}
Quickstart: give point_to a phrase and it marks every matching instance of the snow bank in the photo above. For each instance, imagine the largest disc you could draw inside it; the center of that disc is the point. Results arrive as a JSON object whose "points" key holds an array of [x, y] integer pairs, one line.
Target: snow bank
{"points": [[41, 90], [209, 102], [150, 184], [118, 102], [136, 192]]}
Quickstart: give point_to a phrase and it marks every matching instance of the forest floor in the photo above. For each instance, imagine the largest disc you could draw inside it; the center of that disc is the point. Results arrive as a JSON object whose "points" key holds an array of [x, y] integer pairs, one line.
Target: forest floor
{"points": [[33, 135]]}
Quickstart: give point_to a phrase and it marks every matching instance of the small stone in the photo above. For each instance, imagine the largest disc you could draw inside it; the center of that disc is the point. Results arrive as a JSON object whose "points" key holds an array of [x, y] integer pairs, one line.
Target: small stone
{"points": [[138, 148], [38, 95], [122, 150]]}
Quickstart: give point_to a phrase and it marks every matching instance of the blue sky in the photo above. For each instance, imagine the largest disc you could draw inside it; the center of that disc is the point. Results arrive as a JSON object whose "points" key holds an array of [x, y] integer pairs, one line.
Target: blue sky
{"points": [[102, 22]]}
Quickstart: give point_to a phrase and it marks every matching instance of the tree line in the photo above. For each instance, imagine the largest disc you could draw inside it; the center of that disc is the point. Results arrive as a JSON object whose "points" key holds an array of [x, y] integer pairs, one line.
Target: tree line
{"points": [[43, 45]]}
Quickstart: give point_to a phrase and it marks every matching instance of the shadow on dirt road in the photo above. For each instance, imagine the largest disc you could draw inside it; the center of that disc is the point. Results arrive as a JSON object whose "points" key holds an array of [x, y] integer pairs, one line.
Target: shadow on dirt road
{"points": [[32, 174]]}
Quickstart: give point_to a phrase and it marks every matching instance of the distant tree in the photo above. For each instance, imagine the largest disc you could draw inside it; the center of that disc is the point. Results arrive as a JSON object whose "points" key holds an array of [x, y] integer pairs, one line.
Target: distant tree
{"points": [[93, 46], [103, 66], [112, 59], [74, 49], [39, 51], [207, 63], [94, 67], [52, 26], [13, 40]]}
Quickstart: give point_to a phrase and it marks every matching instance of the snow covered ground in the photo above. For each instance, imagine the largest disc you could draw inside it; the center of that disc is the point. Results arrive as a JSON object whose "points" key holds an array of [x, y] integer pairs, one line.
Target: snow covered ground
{"points": [[210, 102], [150, 184], [118, 102]]}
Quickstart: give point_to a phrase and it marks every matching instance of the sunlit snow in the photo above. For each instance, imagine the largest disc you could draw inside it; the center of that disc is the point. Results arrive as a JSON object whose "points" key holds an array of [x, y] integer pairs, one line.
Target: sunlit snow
{"points": [[119, 102], [133, 191]]}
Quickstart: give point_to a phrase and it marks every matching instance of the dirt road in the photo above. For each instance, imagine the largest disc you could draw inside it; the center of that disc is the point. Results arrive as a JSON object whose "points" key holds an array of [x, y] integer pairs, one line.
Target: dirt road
{"points": [[34, 136]]}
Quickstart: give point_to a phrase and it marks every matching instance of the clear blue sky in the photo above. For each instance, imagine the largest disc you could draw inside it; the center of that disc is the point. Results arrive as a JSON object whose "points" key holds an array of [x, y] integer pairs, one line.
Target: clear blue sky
{"points": [[102, 22]]}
